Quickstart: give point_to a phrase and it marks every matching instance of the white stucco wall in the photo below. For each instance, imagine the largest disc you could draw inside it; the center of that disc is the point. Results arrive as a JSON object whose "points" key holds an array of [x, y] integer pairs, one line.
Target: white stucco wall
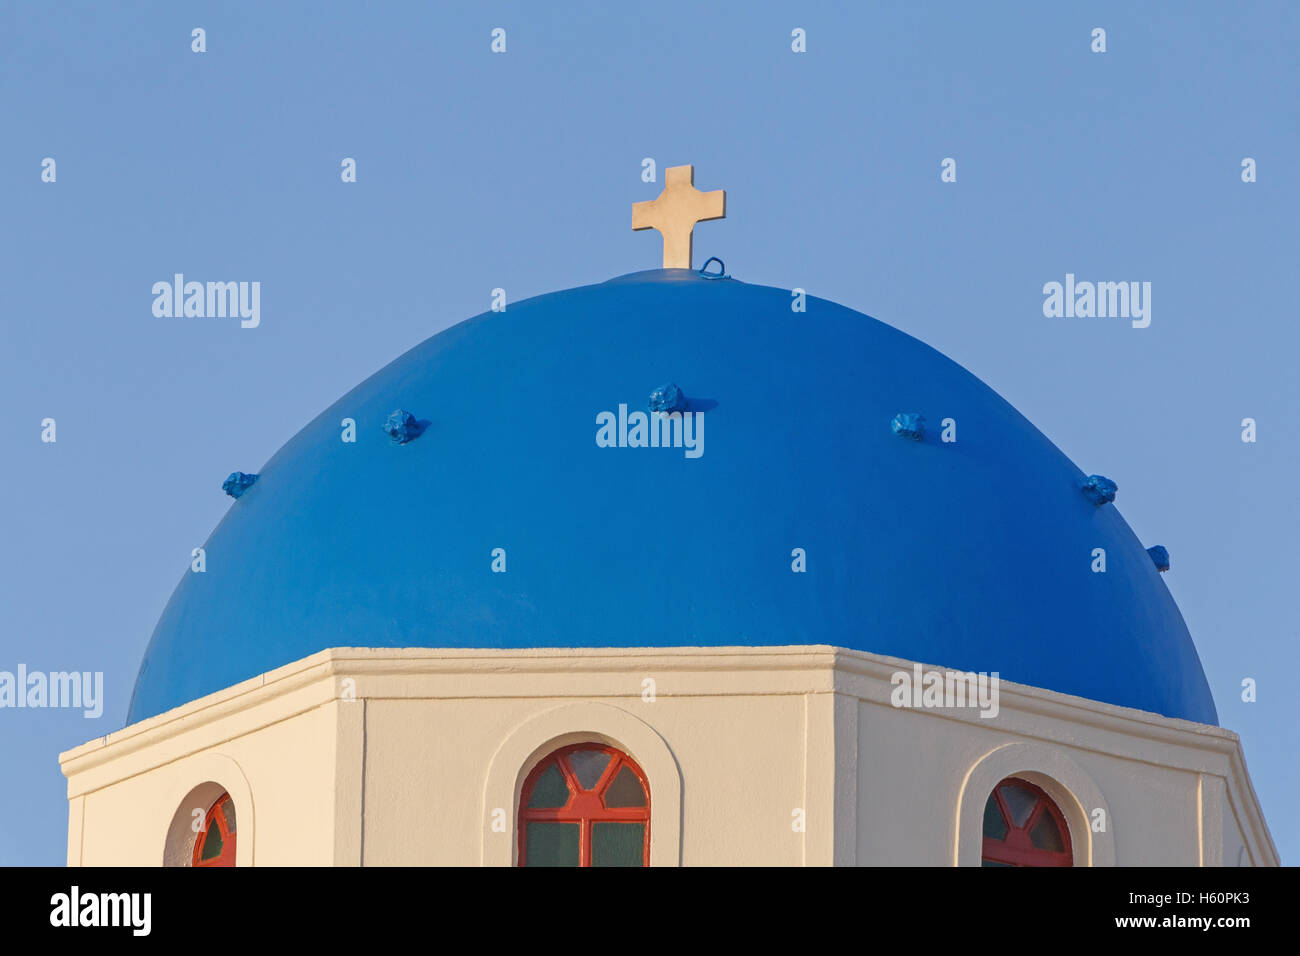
{"points": [[389, 757]]}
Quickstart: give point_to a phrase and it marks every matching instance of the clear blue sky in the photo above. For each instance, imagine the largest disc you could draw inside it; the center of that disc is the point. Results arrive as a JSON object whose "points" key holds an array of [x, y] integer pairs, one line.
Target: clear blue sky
{"points": [[519, 170]]}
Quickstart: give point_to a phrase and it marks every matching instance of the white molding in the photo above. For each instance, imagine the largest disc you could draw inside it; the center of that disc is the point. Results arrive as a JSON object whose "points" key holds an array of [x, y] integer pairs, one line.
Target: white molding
{"points": [[778, 669]]}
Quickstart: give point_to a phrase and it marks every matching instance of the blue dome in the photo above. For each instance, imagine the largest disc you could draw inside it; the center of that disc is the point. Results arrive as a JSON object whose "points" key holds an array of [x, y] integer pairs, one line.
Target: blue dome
{"points": [[972, 555]]}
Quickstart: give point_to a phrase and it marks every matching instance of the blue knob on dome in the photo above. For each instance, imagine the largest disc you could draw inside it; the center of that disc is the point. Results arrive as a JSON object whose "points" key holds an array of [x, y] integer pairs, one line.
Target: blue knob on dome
{"points": [[908, 425], [402, 427], [667, 398], [1100, 490], [1160, 555], [237, 483]]}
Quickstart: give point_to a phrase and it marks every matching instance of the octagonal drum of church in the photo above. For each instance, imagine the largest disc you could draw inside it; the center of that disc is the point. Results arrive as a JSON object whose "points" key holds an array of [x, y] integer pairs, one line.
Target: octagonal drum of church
{"points": [[973, 554]]}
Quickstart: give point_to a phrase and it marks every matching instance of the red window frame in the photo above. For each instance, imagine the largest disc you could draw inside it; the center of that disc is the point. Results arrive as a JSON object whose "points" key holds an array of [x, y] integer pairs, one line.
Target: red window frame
{"points": [[1017, 848], [216, 816], [584, 807]]}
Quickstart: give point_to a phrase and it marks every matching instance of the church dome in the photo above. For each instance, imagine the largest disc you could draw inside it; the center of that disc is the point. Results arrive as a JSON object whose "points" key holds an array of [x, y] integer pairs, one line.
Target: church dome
{"points": [[972, 555]]}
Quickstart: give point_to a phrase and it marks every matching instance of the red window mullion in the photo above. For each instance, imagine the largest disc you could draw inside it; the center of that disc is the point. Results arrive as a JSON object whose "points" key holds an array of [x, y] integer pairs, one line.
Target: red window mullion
{"points": [[1005, 810], [215, 817], [611, 771], [1017, 847], [1039, 809], [570, 777], [564, 815]]}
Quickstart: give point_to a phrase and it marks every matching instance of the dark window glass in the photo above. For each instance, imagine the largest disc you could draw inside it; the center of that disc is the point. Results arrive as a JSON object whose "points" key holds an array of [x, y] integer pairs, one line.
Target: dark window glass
{"points": [[552, 844], [1045, 835], [551, 790], [995, 828], [212, 842], [1020, 802], [617, 844], [625, 791]]}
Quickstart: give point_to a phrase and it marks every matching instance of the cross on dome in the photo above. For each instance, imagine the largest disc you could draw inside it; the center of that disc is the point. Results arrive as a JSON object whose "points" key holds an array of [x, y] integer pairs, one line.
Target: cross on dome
{"points": [[679, 207]]}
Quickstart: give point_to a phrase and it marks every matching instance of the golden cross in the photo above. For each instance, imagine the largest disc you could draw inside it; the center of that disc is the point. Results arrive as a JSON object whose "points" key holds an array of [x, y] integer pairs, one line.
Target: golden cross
{"points": [[679, 207]]}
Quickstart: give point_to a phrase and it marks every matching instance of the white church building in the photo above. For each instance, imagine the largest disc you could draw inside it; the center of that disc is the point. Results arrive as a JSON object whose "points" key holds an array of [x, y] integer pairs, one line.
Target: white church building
{"points": [[670, 570]]}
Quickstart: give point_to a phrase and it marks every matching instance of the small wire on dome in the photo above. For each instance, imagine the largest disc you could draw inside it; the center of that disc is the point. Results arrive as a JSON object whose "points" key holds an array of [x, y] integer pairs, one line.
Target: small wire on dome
{"points": [[720, 274]]}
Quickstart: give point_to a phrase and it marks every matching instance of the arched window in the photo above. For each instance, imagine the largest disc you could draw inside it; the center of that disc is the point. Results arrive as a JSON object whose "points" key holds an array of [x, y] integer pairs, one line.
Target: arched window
{"points": [[215, 844], [1024, 827], [585, 805]]}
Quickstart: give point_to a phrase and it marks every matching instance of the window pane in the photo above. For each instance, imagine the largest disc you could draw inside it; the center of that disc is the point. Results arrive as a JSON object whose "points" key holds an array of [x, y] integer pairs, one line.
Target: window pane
{"points": [[995, 828], [588, 765], [551, 844], [228, 808], [995, 863], [212, 842], [1045, 834], [625, 791], [550, 790], [618, 844], [1019, 801]]}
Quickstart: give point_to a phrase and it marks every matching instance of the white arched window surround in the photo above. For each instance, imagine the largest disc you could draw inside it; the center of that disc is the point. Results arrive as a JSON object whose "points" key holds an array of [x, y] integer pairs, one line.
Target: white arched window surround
{"points": [[206, 776], [544, 733], [1061, 778]]}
